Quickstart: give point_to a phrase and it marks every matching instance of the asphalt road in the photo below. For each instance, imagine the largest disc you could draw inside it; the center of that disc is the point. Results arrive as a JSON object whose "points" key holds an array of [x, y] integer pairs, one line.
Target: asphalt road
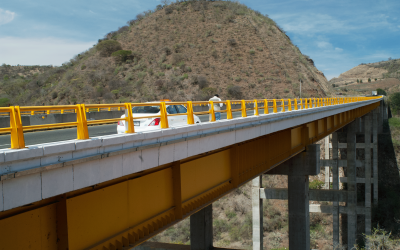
{"points": [[32, 138]]}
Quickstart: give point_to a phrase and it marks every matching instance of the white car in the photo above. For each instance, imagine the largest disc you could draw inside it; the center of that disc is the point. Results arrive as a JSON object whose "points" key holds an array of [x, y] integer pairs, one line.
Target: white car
{"points": [[146, 124]]}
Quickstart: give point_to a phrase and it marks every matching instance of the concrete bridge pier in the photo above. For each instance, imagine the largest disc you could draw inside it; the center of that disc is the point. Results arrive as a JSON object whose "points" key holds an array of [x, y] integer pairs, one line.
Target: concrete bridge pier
{"points": [[298, 170]]}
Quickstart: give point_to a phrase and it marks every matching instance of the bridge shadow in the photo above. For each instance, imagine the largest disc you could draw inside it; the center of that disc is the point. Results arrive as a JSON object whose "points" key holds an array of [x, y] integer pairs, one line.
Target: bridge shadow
{"points": [[387, 213]]}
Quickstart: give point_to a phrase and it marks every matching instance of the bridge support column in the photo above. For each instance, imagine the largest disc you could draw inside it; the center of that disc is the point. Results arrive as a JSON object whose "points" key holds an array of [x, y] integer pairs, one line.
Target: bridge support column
{"points": [[375, 127], [298, 169], [368, 128], [335, 186], [201, 231], [257, 206], [351, 185]]}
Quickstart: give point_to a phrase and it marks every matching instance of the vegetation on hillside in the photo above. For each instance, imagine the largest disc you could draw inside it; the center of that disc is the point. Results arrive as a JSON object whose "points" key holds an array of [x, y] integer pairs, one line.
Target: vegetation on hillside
{"points": [[187, 50]]}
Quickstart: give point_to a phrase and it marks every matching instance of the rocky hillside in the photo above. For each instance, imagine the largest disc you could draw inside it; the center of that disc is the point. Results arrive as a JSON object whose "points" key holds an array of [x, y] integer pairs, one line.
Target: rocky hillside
{"points": [[183, 51], [366, 77]]}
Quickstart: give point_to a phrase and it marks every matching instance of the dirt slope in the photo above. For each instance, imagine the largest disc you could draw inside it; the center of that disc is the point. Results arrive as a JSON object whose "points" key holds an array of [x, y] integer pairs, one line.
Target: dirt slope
{"points": [[184, 51]]}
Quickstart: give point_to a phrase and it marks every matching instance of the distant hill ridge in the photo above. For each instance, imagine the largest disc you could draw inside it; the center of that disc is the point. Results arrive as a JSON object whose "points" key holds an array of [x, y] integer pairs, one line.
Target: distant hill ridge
{"points": [[183, 51]]}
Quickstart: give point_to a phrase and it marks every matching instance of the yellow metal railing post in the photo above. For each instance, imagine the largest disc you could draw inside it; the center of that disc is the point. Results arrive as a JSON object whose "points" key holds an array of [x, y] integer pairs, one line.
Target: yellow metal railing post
{"points": [[289, 105], [228, 110], [244, 113], [109, 108], [275, 109], [295, 104], [266, 111], [62, 111], [305, 103], [310, 105], [48, 112], [82, 128], [32, 112], [190, 117], [314, 104], [283, 105], [256, 108], [129, 119], [212, 112], [17, 133], [164, 115], [301, 103]]}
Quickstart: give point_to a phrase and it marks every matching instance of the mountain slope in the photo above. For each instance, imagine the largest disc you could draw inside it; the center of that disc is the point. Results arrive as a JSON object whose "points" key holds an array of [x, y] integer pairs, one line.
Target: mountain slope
{"points": [[184, 51], [364, 78]]}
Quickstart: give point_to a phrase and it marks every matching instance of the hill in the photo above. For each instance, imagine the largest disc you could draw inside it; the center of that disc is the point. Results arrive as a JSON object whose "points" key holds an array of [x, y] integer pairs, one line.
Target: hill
{"points": [[183, 51], [366, 77]]}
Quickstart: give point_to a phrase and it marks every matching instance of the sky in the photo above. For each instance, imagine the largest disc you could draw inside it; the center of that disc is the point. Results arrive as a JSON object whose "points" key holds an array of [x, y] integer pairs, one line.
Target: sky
{"points": [[337, 34]]}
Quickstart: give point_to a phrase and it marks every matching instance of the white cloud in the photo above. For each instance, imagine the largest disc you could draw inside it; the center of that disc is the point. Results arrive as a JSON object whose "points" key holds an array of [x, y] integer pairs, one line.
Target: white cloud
{"points": [[324, 45], [39, 51], [338, 49], [6, 16]]}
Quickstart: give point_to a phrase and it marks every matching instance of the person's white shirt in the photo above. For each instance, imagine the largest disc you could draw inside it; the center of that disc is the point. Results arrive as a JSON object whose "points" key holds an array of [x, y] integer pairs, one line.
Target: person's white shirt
{"points": [[216, 106]]}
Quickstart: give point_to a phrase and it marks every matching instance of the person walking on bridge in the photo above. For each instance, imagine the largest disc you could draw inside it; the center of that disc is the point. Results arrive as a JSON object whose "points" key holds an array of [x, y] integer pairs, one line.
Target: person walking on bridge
{"points": [[217, 106]]}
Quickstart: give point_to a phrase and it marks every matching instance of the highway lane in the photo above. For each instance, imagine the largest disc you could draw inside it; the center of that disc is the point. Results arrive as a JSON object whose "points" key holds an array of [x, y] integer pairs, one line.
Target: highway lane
{"points": [[39, 137]]}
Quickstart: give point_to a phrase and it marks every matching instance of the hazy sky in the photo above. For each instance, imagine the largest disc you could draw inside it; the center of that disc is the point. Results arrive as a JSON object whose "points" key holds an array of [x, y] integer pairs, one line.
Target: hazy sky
{"points": [[337, 35]]}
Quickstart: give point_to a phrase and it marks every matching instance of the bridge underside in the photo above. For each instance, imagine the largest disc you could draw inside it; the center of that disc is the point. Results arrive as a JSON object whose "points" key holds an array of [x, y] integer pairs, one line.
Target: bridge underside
{"points": [[129, 210]]}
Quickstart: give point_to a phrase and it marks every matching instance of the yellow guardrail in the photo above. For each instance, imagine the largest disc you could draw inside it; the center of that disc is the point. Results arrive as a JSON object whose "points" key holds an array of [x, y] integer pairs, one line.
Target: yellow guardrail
{"points": [[17, 130]]}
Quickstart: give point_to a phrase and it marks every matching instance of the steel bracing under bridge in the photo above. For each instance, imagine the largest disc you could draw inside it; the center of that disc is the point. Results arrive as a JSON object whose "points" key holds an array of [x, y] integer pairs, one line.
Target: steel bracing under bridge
{"points": [[129, 208]]}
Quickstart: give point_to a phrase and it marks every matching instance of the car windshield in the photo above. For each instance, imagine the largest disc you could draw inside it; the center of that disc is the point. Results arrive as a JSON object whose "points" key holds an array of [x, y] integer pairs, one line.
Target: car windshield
{"points": [[146, 110]]}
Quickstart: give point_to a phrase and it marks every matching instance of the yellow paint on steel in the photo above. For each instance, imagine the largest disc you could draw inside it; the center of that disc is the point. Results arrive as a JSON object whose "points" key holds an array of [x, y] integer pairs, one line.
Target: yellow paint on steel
{"points": [[212, 112], [275, 109], [94, 216], [129, 118], [228, 110], [190, 116], [256, 108], [283, 105], [266, 111], [35, 229], [164, 114], [244, 113], [196, 177]]}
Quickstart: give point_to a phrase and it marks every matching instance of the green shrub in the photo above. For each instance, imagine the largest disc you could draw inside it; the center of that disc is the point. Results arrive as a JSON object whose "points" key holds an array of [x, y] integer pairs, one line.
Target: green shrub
{"points": [[316, 184], [4, 102], [376, 79], [83, 67], [230, 214], [381, 92], [260, 49], [394, 101], [6, 77], [238, 79], [252, 52], [286, 91], [121, 55], [117, 69], [380, 239], [185, 76], [107, 47], [369, 79], [115, 92], [360, 81], [394, 122], [161, 74], [235, 91]]}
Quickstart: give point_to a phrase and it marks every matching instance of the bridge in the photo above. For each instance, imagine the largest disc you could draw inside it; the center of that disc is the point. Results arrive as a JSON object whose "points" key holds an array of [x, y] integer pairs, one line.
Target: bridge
{"points": [[118, 191]]}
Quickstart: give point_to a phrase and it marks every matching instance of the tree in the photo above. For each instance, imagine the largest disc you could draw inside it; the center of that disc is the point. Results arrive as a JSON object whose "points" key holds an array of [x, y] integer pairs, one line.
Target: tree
{"points": [[121, 55], [358, 81], [4, 102], [369, 79], [107, 47], [376, 79], [381, 92], [394, 101]]}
